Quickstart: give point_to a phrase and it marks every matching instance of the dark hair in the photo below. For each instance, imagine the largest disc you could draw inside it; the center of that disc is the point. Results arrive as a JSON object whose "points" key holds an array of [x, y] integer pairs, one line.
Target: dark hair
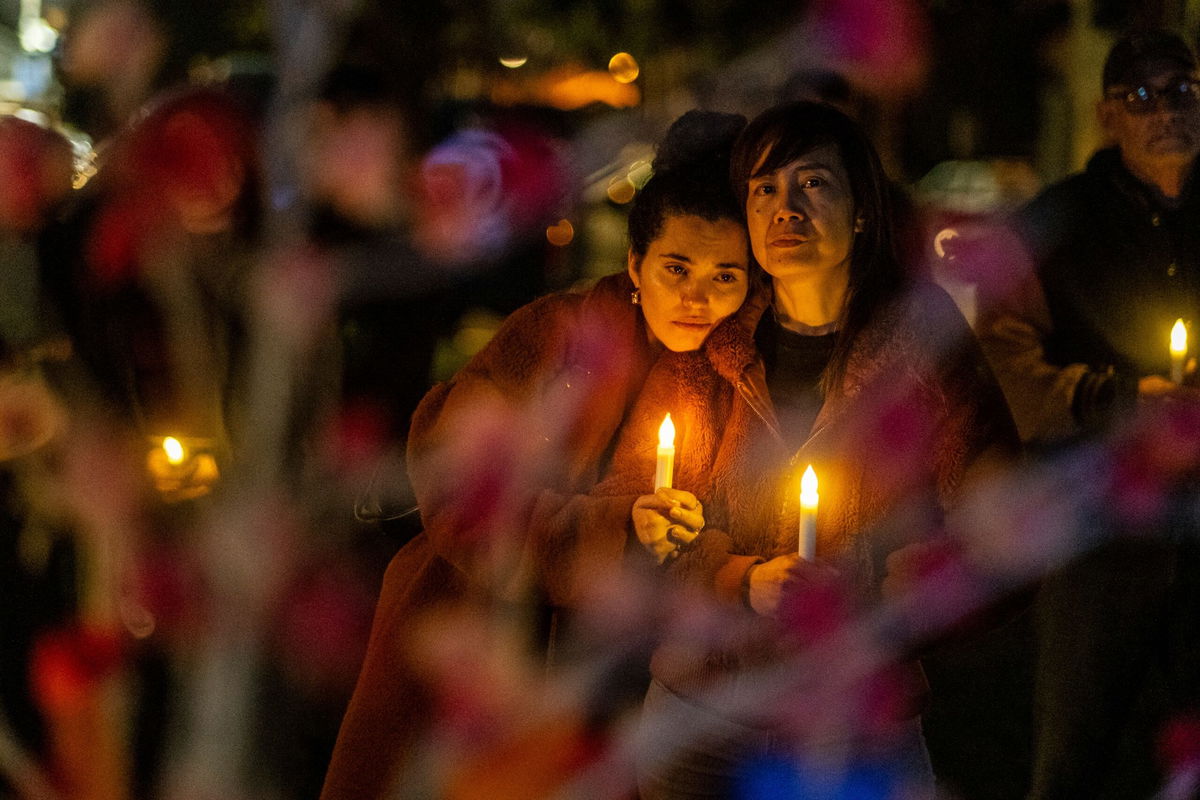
{"points": [[784, 133], [691, 169]]}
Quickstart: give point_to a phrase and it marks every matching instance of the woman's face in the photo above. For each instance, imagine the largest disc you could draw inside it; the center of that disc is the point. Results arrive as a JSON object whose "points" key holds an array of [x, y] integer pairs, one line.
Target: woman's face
{"points": [[695, 274], [801, 216]]}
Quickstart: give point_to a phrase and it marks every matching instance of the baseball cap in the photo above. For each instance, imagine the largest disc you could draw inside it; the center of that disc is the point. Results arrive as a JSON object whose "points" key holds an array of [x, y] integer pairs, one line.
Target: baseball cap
{"points": [[1138, 55]]}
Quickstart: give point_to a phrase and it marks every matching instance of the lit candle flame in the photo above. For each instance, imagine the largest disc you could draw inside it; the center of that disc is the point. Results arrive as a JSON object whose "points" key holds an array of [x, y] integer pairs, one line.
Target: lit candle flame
{"points": [[808, 489], [666, 432], [1179, 339], [174, 450]]}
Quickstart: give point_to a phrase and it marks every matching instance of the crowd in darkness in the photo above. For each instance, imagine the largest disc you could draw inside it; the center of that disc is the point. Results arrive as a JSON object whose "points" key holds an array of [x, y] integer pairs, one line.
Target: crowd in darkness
{"points": [[330, 461]]}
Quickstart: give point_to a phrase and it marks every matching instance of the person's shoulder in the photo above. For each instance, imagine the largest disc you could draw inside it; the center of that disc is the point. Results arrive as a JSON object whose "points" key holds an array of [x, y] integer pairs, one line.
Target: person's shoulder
{"points": [[1062, 196], [925, 297]]}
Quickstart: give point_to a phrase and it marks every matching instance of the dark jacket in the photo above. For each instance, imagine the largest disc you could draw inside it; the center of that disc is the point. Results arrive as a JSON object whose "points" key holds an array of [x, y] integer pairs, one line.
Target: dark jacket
{"points": [[1113, 267]]}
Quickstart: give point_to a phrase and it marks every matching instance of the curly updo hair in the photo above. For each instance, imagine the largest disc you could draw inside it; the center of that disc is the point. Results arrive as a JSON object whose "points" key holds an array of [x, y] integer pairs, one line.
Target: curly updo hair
{"points": [[691, 176]]}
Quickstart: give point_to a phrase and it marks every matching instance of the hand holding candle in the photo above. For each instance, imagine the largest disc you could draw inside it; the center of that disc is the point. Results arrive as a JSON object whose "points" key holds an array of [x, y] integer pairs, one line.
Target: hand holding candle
{"points": [[1179, 350], [665, 466], [808, 514]]}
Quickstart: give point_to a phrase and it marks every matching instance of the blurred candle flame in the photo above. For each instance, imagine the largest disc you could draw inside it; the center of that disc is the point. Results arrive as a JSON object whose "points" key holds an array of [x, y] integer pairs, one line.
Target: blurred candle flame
{"points": [[1179, 338], [174, 450], [808, 489], [666, 433]]}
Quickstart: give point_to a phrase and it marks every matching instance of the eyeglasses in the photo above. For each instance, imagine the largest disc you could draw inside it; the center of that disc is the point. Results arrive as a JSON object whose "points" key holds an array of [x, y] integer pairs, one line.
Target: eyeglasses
{"points": [[1176, 96]]}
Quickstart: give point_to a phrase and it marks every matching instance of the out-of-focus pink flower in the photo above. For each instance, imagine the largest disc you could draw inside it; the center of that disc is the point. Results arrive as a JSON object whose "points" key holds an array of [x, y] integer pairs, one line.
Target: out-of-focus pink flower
{"points": [[296, 293], [1179, 743], [322, 629], [881, 44], [357, 436], [482, 190]]}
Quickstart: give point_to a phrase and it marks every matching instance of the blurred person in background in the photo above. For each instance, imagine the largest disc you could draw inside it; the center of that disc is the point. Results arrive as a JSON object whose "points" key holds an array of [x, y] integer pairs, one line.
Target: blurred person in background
{"points": [[534, 473], [1079, 336], [148, 268], [36, 168], [877, 382]]}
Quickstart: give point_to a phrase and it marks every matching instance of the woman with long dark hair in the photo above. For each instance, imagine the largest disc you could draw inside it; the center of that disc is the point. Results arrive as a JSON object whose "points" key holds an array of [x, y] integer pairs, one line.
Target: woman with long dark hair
{"points": [[534, 465]]}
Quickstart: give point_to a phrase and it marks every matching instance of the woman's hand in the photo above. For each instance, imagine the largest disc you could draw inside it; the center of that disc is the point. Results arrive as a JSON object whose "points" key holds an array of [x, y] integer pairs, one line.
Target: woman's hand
{"points": [[767, 582], [667, 520]]}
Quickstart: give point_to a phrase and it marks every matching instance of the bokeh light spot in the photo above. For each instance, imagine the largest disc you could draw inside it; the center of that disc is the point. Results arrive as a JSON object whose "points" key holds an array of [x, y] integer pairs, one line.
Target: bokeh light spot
{"points": [[560, 233], [621, 190], [623, 67]]}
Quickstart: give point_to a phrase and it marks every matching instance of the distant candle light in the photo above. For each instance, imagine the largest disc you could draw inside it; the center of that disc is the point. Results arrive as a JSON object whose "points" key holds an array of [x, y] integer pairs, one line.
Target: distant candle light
{"points": [[174, 450], [513, 62], [1179, 348]]}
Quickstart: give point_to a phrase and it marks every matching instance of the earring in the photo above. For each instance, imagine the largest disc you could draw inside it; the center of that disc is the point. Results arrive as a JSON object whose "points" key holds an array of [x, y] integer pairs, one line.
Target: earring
{"points": [[635, 297]]}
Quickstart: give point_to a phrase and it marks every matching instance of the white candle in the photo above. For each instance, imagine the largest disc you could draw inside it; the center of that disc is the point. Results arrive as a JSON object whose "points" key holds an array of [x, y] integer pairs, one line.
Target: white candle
{"points": [[666, 454], [808, 514], [1178, 350]]}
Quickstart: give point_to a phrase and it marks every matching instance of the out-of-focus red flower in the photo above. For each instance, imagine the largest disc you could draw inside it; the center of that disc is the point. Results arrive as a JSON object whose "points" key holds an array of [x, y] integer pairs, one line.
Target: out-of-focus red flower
{"points": [[816, 606], [1179, 743], [357, 436], [169, 585], [68, 664], [532, 762], [886, 699], [35, 171], [118, 236], [882, 44], [193, 152]]}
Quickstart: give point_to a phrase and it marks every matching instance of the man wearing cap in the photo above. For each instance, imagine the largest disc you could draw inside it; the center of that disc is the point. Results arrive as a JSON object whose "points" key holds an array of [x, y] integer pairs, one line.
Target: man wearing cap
{"points": [[1077, 343]]}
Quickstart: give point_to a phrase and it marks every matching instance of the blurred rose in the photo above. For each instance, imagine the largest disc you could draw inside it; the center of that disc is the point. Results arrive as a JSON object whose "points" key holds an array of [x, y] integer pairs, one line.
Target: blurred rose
{"points": [[36, 167], [481, 190], [67, 664]]}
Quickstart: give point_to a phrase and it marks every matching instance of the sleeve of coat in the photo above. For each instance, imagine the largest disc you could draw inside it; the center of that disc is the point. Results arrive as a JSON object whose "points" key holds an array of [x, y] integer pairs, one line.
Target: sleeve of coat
{"points": [[578, 539], [465, 441], [1012, 326], [471, 494], [976, 428]]}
